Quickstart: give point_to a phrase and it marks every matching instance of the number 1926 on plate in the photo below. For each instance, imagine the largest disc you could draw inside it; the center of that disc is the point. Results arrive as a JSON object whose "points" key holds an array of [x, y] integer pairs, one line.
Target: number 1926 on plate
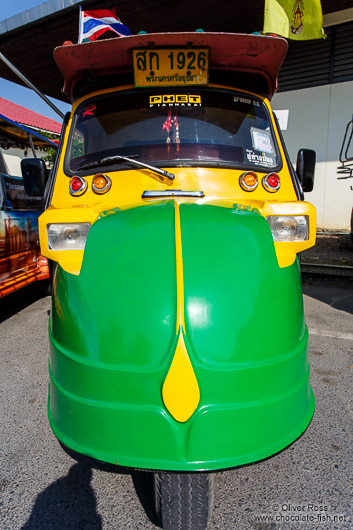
{"points": [[170, 66]]}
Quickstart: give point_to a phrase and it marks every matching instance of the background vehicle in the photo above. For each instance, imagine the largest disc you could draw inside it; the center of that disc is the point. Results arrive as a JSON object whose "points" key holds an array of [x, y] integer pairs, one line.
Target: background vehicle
{"points": [[177, 333], [20, 260]]}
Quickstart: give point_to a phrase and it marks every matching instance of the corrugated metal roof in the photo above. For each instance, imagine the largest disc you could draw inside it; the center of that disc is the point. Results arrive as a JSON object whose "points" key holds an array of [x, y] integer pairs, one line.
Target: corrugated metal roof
{"points": [[35, 13], [28, 117]]}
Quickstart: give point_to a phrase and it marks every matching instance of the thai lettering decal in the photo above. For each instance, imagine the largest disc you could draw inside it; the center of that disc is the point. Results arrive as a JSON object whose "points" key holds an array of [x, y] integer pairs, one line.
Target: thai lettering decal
{"points": [[259, 159]]}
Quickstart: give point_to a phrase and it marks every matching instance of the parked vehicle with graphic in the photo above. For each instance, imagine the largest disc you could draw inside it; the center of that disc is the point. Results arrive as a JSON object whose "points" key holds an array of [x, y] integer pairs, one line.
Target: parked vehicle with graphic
{"points": [[21, 262], [177, 335]]}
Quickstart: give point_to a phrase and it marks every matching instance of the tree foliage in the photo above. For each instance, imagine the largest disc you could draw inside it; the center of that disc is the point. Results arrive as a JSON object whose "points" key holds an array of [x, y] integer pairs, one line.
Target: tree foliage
{"points": [[51, 151]]}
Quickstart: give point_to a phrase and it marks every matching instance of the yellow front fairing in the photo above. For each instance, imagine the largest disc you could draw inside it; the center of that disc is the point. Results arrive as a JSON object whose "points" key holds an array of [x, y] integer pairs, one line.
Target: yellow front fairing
{"points": [[128, 186]]}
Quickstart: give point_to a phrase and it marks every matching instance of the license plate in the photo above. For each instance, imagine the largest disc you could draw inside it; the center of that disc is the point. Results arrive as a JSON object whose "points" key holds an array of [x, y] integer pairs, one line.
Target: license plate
{"points": [[170, 66]]}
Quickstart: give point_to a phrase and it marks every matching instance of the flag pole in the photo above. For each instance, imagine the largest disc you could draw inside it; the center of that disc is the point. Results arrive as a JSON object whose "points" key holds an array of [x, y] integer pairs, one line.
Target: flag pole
{"points": [[80, 27], [30, 85]]}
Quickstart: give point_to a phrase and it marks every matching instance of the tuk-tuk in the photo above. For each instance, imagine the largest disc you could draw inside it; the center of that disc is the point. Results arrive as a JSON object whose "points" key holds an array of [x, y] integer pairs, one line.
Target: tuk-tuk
{"points": [[175, 218]]}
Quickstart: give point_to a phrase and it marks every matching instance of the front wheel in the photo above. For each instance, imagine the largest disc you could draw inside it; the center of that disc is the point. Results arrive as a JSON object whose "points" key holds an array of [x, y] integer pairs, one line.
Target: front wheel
{"points": [[183, 501]]}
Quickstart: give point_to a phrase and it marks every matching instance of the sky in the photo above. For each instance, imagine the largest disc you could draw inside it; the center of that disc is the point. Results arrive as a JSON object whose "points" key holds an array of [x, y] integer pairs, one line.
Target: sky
{"points": [[16, 93]]}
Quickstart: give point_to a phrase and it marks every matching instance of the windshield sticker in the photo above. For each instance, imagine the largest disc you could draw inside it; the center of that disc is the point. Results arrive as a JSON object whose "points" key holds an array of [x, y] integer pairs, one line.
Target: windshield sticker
{"points": [[175, 100], [259, 160], [253, 102], [88, 111], [262, 141]]}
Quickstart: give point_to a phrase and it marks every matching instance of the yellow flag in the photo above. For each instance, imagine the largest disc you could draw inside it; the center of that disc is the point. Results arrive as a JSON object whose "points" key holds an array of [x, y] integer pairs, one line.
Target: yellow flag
{"points": [[294, 19]]}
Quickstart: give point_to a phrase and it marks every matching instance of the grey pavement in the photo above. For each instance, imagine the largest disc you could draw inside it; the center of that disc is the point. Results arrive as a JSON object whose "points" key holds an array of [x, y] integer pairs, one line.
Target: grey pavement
{"points": [[43, 487]]}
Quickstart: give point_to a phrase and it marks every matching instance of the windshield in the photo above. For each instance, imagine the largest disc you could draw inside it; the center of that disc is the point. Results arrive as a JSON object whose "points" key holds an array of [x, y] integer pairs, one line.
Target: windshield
{"points": [[174, 127]]}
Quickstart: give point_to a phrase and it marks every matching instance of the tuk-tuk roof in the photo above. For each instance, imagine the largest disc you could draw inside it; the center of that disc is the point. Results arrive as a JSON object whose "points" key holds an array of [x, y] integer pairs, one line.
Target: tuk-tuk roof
{"points": [[257, 55]]}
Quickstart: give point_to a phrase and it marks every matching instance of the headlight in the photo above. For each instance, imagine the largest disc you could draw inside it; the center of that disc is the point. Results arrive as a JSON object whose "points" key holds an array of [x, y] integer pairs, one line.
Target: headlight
{"points": [[67, 236], [289, 227]]}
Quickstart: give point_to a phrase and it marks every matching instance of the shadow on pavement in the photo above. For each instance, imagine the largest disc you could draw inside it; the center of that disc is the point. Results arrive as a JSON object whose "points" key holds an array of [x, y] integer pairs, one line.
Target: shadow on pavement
{"points": [[68, 503], [337, 293], [142, 481], [19, 300]]}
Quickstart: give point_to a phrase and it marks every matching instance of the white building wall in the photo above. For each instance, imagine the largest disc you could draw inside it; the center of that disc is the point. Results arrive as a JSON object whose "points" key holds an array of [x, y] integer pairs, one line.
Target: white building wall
{"points": [[317, 120], [13, 159]]}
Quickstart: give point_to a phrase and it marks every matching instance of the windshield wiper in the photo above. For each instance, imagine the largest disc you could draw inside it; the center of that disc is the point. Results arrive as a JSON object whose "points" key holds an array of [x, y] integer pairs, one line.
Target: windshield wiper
{"points": [[117, 158]]}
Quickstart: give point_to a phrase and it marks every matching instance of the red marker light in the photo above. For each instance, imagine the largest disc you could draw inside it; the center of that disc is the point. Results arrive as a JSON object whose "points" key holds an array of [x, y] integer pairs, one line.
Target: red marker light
{"points": [[271, 182], [77, 186]]}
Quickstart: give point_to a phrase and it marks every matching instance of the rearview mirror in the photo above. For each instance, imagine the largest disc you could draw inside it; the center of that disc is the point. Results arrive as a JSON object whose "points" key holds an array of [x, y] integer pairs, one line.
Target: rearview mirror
{"points": [[34, 175], [305, 170]]}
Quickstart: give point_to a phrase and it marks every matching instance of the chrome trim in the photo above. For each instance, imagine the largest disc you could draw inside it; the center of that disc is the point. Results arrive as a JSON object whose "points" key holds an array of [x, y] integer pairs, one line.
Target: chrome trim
{"points": [[106, 187], [171, 193], [244, 186], [81, 189], [267, 186]]}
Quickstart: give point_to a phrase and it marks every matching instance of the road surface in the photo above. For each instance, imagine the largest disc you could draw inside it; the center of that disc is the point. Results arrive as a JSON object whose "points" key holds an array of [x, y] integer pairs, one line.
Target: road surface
{"points": [[42, 487]]}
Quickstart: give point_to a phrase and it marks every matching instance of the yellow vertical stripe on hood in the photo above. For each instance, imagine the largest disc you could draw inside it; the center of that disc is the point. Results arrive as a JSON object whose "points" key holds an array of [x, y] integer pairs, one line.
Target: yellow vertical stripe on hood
{"points": [[181, 394]]}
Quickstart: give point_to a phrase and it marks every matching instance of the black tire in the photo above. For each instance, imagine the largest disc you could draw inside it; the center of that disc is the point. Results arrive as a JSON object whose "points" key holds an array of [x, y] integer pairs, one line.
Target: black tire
{"points": [[183, 501]]}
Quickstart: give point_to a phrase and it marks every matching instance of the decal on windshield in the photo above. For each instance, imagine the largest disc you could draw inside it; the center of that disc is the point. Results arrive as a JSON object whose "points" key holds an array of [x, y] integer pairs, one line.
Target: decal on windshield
{"points": [[248, 101], [259, 160], [262, 141], [175, 100], [88, 111]]}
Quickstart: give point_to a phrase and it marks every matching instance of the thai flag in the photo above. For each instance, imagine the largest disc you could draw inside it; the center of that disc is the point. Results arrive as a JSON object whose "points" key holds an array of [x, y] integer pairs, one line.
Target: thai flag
{"points": [[94, 23]]}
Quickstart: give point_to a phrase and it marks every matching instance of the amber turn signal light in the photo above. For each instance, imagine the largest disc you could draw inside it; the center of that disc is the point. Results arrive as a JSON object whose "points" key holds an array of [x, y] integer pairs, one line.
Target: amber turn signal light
{"points": [[248, 181], [101, 183]]}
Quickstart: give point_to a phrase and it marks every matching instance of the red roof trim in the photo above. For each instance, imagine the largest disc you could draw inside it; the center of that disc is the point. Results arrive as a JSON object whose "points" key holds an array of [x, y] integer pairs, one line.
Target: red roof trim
{"points": [[28, 117]]}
